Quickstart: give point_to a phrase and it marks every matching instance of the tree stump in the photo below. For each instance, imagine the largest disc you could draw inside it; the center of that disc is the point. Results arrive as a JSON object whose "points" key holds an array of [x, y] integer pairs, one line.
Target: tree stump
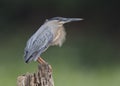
{"points": [[41, 78]]}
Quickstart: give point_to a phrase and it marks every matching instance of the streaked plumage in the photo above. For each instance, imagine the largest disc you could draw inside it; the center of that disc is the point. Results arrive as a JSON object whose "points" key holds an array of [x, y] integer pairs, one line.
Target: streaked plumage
{"points": [[50, 33]]}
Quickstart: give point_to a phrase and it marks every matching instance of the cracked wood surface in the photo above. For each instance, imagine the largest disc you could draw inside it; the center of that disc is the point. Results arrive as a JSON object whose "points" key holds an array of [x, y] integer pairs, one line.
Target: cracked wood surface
{"points": [[41, 78]]}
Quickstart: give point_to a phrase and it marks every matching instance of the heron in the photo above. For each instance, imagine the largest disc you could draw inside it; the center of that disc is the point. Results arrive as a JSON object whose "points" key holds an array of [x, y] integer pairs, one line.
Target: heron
{"points": [[51, 33]]}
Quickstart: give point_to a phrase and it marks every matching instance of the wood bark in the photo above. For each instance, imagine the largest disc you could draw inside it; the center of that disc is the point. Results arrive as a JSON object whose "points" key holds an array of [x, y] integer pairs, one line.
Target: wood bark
{"points": [[43, 77]]}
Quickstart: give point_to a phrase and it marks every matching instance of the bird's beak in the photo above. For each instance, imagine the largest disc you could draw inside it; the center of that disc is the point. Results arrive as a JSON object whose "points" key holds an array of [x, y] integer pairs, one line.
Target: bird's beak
{"points": [[66, 20]]}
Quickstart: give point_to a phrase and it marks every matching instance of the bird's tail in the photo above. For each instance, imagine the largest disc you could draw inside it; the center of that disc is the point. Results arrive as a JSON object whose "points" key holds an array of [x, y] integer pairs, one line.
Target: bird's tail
{"points": [[28, 57]]}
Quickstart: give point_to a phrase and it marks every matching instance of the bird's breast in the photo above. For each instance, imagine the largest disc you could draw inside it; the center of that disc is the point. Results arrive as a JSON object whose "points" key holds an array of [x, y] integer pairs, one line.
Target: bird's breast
{"points": [[59, 37]]}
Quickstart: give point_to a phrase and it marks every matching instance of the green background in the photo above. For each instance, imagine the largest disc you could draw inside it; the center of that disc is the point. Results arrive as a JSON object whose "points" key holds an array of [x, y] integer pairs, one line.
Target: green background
{"points": [[89, 57]]}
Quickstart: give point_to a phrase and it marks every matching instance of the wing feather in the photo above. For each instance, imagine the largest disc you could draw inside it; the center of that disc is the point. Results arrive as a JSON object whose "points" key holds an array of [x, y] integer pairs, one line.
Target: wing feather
{"points": [[38, 43]]}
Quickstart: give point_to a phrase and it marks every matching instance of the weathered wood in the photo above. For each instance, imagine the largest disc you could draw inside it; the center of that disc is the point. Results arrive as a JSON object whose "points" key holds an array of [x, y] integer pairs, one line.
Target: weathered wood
{"points": [[41, 78]]}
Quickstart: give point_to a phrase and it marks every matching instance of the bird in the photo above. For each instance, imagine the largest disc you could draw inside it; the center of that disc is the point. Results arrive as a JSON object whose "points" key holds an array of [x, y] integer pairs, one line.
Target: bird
{"points": [[51, 33]]}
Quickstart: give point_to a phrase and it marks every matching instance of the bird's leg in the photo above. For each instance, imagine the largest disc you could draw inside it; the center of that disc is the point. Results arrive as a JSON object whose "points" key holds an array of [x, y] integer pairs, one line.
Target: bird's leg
{"points": [[41, 61]]}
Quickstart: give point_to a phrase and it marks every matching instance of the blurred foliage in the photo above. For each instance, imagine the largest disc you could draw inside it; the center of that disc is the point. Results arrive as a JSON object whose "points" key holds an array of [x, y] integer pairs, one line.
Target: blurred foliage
{"points": [[89, 57]]}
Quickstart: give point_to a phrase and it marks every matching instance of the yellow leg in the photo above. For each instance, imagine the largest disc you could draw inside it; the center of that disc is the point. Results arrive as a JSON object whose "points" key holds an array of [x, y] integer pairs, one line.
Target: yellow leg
{"points": [[41, 61]]}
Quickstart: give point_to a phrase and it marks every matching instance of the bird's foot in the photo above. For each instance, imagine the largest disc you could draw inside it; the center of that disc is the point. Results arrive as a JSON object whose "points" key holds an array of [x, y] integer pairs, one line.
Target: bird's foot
{"points": [[43, 62]]}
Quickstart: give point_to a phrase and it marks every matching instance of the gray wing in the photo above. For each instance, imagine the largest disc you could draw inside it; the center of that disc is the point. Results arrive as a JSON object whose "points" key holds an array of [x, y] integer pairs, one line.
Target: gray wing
{"points": [[37, 44]]}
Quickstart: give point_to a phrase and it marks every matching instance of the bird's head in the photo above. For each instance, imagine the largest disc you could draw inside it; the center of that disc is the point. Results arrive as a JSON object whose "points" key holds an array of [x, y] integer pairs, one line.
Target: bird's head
{"points": [[62, 20]]}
